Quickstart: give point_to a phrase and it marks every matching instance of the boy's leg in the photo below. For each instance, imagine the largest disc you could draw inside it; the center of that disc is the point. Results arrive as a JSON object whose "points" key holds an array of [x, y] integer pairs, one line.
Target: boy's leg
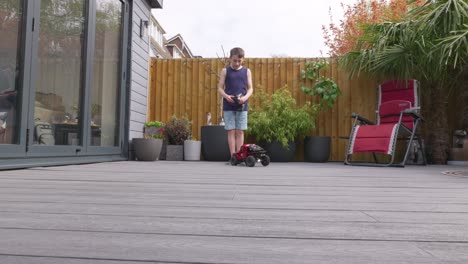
{"points": [[241, 125], [239, 139], [230, 125], [232, 141]]}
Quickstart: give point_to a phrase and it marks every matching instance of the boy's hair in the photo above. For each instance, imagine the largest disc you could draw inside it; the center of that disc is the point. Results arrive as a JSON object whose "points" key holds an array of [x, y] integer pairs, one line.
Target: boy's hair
{"points": [[237, 51]]}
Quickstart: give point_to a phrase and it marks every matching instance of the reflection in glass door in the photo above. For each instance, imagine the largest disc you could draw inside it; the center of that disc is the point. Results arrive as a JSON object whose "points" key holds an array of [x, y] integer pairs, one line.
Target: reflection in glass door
{"points": [[106, 75], [59, 73], [11, 13]]}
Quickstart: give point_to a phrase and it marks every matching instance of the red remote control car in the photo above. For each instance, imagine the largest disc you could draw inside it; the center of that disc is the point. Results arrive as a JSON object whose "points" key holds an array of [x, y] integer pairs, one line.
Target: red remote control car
{"points": [[250, 154]]}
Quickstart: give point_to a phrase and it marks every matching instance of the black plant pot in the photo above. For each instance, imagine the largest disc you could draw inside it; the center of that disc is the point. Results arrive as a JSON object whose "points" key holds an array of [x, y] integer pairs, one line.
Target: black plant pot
{"points": [[215, 145], [278, 153], [317, 148]]}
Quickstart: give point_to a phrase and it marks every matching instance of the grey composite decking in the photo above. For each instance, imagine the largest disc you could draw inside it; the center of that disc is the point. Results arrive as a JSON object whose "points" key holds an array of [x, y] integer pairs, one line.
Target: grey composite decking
{"points": [[210, 212]]}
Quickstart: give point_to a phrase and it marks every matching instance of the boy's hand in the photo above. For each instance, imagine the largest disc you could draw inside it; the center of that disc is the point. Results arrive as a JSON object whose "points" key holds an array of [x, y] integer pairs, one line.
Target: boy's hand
{"points": [[229, 98], [242, 100]]}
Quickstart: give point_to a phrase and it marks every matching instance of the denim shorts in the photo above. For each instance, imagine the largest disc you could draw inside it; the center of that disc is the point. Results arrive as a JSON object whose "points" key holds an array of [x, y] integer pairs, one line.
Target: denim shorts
{"points": [[235, 120]]}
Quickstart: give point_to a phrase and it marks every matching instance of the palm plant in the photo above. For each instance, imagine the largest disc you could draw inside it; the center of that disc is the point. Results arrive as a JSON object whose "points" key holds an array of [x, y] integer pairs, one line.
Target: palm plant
{"points": [[430, 45]]}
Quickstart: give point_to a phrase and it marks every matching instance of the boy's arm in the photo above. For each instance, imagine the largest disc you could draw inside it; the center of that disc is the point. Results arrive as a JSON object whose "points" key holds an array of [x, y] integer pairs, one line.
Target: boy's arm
{"points": [[249, 88], [222, 79]]}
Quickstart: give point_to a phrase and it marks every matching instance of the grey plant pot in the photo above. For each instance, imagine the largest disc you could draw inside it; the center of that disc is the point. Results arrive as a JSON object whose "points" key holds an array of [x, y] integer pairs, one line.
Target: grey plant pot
{"points": [[175, 152], [147, 149], [192, 149]]}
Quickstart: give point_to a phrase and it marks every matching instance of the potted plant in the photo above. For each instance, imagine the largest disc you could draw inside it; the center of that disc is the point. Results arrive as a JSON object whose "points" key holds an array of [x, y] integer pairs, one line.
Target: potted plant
{"points": [[149, 147], [192, 149], [214, 143], [317, 148], [177, 130], [276, 121]]}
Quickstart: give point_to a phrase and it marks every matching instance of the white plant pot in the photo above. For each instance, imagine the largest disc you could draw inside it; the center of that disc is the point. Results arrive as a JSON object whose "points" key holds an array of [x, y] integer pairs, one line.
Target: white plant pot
{"points": [[192, 150]]}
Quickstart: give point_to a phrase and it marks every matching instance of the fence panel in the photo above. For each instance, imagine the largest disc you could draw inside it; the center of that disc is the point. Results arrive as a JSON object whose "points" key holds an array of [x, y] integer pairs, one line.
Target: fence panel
{"points": [[189, 87]]}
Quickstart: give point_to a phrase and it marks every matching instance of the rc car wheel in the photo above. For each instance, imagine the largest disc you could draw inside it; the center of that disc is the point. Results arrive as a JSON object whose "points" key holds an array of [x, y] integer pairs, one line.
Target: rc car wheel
{"points": [[250, 161], [265, 160], [234, 161]]}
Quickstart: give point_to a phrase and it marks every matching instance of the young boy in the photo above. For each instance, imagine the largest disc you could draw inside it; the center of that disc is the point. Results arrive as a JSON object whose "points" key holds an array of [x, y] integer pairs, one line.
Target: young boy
{"points": [[235, 86]]}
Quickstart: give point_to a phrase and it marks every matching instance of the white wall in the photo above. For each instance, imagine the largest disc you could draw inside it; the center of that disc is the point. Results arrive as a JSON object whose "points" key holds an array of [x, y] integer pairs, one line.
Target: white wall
{"points": [[140, 70]]}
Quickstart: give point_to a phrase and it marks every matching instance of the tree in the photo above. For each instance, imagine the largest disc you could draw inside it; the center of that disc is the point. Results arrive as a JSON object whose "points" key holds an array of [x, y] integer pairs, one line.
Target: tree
{"points": [[428, 44], [342, 38]]}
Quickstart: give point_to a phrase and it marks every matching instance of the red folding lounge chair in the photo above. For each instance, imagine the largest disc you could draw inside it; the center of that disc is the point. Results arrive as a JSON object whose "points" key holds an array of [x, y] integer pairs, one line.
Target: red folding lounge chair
{"points": [[397, 117]]}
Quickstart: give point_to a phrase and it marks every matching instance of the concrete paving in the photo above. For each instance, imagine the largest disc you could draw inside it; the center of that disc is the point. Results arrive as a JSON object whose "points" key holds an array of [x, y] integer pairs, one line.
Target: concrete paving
{"points": [[211, 212]]}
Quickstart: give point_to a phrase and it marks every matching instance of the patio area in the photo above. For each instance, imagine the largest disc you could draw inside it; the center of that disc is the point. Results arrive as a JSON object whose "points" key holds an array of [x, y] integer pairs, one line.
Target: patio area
{"points": [[210, 212]]}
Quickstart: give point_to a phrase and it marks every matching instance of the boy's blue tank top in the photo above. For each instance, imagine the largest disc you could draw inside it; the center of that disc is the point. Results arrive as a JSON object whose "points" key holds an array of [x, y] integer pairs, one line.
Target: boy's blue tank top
{"points": [[235, 83]]}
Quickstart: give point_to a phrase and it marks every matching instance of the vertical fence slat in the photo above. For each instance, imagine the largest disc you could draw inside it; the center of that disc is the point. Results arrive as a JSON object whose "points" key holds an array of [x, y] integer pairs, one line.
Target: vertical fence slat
{"points": [[201, 93], [189, 88], [164, 91], [176, 87], [158, 93], [253, 69], [256, 78], [301, 97], [194, 88], [182, 89], [219, 107], [264, 83], [207, 89], [170, 89], [336, 114], [283, 73], [213, 70], [270, 89], [276, 74], [288, 75], [344, 125], [329, 114], [151, 91]]}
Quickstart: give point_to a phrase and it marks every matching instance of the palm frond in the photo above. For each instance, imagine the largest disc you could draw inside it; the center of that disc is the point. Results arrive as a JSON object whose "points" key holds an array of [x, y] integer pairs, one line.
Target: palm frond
{"points": [[454, 48]]}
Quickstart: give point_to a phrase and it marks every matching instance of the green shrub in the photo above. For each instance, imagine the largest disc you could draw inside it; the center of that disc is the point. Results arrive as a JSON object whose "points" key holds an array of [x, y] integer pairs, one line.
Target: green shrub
{"points": [[279, 118], [325, 88]]}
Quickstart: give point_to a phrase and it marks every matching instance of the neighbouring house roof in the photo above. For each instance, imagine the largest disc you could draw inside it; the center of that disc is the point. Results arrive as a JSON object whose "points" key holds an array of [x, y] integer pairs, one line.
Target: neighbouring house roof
{"points": [[155, 3], [179, 42], [172, 47], [161, 50]]}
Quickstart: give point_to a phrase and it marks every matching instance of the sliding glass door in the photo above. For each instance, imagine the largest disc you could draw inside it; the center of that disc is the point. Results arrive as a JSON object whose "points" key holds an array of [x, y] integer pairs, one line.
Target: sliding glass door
{"points": [[12, 30], [105, 88], [62, 79], [58, 82]]}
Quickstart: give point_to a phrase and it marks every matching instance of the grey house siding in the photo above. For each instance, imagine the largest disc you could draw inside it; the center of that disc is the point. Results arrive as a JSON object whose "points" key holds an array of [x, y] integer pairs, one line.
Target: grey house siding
{"points": [[139, 71]]}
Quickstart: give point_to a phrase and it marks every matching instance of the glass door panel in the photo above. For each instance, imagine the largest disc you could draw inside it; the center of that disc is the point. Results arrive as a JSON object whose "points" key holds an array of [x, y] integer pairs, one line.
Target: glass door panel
{"points": [[11, 20], [105, 90], [58, 83]]}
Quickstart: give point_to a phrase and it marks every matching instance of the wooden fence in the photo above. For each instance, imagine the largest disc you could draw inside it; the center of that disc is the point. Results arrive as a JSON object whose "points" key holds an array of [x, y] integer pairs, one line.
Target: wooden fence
{"points": [[189, 87]]}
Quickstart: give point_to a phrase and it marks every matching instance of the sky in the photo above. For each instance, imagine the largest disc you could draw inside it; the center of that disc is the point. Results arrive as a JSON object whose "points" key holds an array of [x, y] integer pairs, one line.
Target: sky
{"points": [[263, 28]]}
